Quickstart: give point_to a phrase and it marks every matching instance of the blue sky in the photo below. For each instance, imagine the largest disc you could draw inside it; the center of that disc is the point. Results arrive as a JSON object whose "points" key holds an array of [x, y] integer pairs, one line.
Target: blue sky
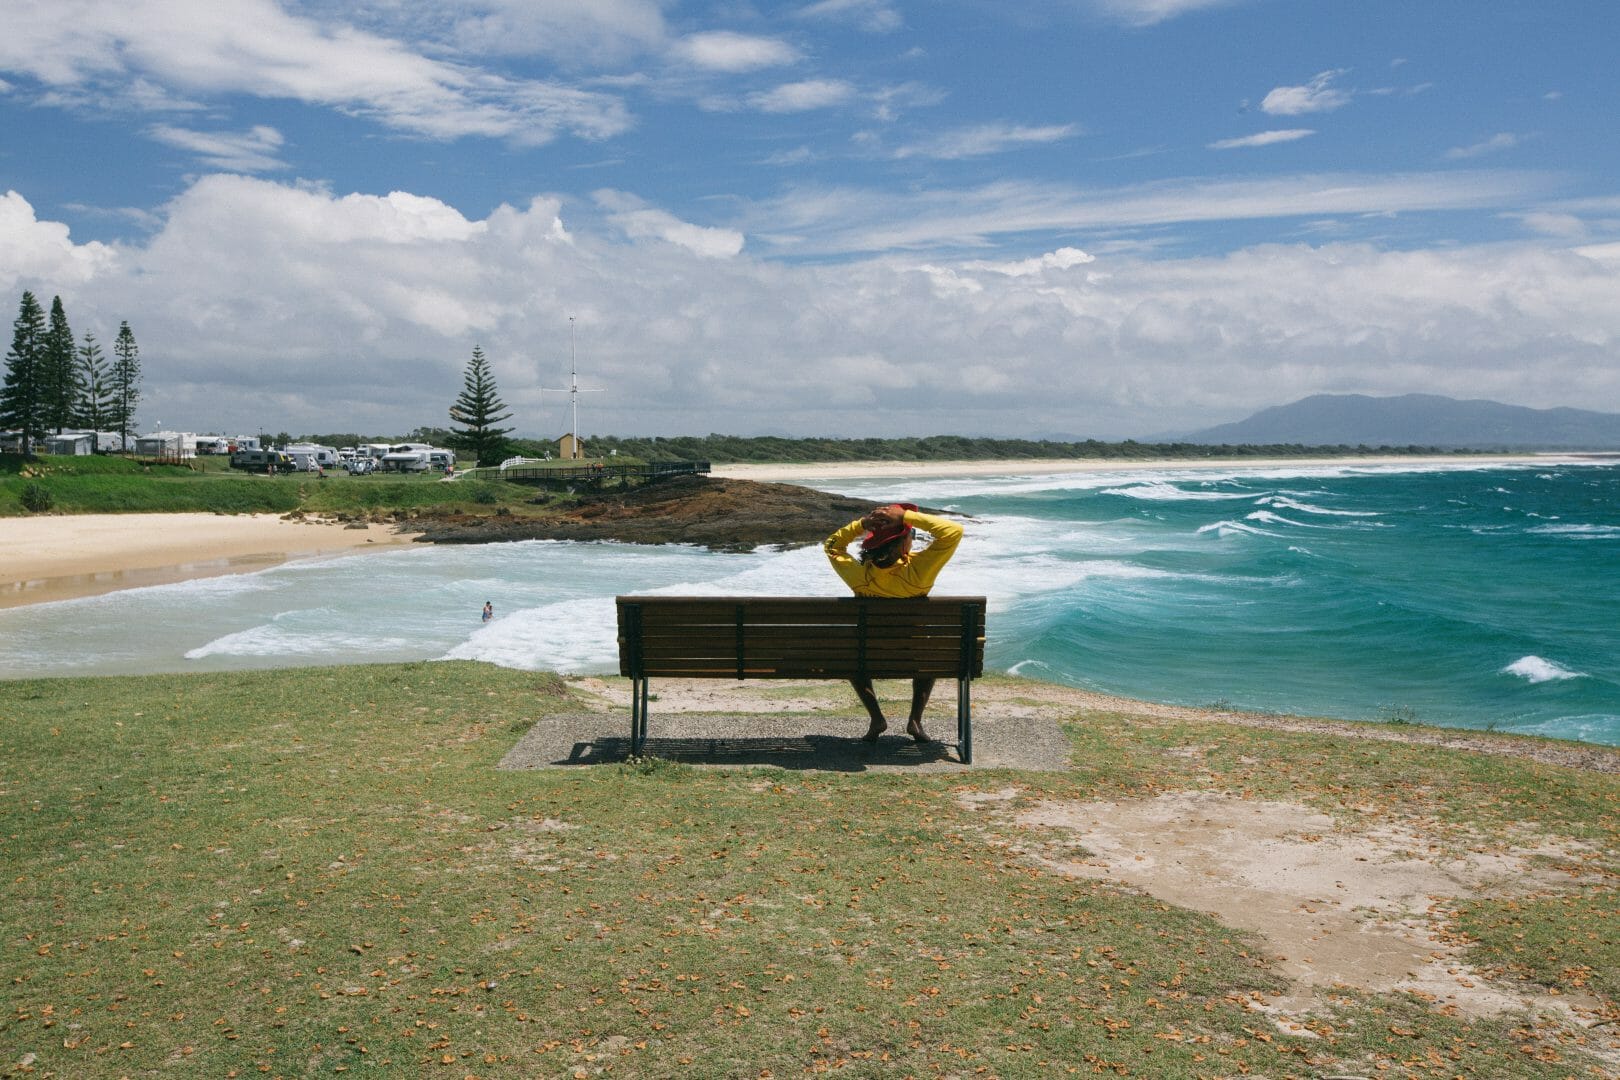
{"points": [[1075, 218]]}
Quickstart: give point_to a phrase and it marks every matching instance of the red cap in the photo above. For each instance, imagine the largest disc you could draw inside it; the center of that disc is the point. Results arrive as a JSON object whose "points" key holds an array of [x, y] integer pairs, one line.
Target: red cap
{"points": [[874, 539]]}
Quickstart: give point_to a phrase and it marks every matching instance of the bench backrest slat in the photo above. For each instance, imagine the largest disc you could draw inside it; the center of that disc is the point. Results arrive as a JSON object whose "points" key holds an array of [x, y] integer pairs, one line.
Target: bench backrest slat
{"points": [[762, 637]]}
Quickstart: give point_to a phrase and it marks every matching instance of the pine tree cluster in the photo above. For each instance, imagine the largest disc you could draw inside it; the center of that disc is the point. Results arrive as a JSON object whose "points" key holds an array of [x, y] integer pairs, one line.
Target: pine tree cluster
{"points": [[51, 384]]}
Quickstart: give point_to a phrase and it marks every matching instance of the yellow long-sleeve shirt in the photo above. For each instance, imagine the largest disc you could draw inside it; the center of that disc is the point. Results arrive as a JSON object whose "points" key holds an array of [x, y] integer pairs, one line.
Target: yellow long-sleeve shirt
{"points": [[911, 575]]}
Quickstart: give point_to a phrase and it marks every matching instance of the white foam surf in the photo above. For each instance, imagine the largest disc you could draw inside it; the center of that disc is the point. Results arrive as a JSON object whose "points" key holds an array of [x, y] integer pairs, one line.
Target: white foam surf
{"points": [[1283, 502], [1579, 532], [1534, 669]]}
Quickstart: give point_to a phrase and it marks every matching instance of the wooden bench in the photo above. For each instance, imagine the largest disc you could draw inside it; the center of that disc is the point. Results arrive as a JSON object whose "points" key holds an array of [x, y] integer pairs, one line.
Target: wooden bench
{"points": [[796, 637]]}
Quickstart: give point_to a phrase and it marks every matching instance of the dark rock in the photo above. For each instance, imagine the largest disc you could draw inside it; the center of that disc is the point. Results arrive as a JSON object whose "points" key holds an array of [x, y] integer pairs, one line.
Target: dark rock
{"points": [[716, 513]]}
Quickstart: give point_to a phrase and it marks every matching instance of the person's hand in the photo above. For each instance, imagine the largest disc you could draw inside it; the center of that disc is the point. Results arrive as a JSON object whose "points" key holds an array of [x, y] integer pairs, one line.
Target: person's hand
{"points": [[885, 519]]}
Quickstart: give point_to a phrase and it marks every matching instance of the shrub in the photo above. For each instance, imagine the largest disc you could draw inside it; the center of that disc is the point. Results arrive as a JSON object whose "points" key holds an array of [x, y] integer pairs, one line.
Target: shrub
{"points": [[36, 497]]}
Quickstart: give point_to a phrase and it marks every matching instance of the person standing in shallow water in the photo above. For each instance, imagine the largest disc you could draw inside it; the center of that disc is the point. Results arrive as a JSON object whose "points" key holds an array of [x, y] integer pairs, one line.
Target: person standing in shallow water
{"points": [[489, 611], [886, 566]]}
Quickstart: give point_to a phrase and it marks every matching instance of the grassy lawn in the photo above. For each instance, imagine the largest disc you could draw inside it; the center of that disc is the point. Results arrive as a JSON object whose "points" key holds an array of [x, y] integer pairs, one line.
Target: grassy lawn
{"points": [[105, 485], [315, 871]]}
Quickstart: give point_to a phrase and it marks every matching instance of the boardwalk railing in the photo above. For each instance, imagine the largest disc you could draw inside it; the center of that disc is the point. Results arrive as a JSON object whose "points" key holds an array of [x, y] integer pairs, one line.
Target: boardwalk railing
{"points": [[587, 474]]}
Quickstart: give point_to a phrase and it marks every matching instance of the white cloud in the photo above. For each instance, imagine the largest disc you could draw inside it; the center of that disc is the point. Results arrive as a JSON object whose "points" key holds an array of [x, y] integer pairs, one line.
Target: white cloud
{"points": [[803, 96], [1318, 95], [117, 51], [1062, 259], [570, 32], [255, 150], [1504, 140], [638, 221], [888, 102], [1263, 138], [42, 254], [730, 52], [823, 221], [260, 304], [877, 16], [799, 155], [984, 139], [1561, 226], [1151, 12]]}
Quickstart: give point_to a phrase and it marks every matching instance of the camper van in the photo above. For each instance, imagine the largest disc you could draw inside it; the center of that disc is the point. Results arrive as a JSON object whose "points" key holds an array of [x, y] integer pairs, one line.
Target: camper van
{"points": [[308, 457], [407, 457], [265, 461]]}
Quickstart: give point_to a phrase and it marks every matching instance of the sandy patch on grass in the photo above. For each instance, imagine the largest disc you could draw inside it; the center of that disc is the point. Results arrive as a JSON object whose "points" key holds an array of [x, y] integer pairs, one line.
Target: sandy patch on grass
{"points": [[1336, 908], [1337, 904], [789, 724]]}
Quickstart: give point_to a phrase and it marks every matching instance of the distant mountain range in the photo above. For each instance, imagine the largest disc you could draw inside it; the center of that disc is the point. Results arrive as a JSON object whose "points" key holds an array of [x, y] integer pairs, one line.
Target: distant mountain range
{"points": [[1419, 420]]}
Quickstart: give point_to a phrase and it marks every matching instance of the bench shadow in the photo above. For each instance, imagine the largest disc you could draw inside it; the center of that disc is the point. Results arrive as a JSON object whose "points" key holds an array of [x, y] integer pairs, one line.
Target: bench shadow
{"points": [[824, 753]]}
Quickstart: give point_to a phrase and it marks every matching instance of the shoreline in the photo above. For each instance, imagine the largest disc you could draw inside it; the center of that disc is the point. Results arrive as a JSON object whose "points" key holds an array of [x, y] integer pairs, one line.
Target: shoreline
{"points": [[67, 556], [860, 470]]}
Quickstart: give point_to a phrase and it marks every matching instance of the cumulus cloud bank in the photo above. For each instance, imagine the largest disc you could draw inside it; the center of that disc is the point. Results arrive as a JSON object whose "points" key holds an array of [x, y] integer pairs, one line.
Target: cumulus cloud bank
{"points": [[103, 52], [272, 305]]}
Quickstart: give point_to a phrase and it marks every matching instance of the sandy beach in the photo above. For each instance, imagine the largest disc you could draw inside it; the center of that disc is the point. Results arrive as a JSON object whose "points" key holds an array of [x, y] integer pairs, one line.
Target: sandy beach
{"points": [[60, 557]]}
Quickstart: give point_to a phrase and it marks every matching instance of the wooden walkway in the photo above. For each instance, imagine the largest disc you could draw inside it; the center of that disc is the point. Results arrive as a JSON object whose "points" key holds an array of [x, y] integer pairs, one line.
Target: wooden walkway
{"points": [[593, 474]]}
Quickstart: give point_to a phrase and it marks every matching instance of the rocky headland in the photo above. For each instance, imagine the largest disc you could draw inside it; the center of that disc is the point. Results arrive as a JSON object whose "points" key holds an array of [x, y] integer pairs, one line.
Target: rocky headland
{"points": [[713, 512]]}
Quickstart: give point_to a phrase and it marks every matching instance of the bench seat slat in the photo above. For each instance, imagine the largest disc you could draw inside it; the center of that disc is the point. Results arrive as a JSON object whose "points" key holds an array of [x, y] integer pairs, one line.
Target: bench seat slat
{"points": [[821, 655], [671, 644]]}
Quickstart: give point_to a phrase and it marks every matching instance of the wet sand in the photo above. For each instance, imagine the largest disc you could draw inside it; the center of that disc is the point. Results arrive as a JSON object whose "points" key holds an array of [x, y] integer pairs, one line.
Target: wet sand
{"points": [[59, 557]]}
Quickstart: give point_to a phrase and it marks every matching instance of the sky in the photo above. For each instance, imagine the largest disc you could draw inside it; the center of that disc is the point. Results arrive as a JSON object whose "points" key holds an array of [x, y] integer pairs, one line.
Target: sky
{"points": [[1050, 218]]}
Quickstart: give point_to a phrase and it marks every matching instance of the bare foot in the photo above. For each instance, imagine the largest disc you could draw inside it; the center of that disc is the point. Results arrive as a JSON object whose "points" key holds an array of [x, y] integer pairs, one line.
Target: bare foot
{"points": [[878, 727], [914, 729]]}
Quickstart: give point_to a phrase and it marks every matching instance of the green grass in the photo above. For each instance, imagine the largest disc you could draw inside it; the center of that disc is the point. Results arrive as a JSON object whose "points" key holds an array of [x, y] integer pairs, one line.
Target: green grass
{"points": [[112, 485], [313, 871]]}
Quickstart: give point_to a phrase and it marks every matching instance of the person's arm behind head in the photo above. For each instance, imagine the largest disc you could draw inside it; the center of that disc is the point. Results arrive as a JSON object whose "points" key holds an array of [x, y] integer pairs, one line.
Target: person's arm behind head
{"points": [[945, 535]]}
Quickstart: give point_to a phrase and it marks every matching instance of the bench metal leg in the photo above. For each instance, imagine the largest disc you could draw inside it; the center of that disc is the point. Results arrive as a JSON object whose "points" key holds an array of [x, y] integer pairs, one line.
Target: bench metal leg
{"points": [[638, 716], [964, 722]]}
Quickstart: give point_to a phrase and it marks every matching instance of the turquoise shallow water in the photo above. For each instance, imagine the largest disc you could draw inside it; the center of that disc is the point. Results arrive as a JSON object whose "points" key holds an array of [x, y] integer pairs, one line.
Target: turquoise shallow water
{"points": [[1466, 596], [1476, 598]]}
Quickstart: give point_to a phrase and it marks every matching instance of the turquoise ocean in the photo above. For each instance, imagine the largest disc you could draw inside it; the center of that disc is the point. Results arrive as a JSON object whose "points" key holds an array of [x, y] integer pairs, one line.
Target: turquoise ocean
{"points": [[1467, 595]]}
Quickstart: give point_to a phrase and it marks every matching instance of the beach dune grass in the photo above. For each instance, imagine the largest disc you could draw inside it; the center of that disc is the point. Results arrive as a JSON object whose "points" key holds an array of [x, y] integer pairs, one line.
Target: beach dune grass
{"points": [[318, 870]]}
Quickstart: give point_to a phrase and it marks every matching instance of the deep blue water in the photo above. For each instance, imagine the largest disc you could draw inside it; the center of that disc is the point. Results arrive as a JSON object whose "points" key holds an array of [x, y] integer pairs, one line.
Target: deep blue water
{"points": [[1469, 596]]}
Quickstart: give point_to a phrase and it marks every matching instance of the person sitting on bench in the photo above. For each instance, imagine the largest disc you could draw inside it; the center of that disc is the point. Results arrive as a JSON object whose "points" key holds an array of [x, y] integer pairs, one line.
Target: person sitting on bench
{"points": [[886, 566]]}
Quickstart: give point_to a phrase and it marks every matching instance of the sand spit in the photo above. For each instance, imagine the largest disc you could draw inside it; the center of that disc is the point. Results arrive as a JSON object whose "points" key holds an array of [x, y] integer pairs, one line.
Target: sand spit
{"points": [[59, 557]]}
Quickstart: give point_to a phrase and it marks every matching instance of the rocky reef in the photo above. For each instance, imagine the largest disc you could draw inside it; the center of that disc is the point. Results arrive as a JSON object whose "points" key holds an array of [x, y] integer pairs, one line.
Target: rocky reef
{"points": [[713, 512]]}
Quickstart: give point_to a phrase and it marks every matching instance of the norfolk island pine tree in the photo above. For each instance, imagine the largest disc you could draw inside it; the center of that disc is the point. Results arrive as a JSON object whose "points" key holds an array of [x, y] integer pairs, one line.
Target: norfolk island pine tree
{"points": [[478, 408]]}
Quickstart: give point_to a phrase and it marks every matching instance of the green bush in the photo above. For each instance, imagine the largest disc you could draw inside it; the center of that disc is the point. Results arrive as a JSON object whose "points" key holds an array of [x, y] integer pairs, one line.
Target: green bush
{"points": [[36, 498]]}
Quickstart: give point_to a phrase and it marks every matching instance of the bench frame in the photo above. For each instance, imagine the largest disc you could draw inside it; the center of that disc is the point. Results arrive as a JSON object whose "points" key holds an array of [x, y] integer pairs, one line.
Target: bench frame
{"points": [[799, 637]]}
